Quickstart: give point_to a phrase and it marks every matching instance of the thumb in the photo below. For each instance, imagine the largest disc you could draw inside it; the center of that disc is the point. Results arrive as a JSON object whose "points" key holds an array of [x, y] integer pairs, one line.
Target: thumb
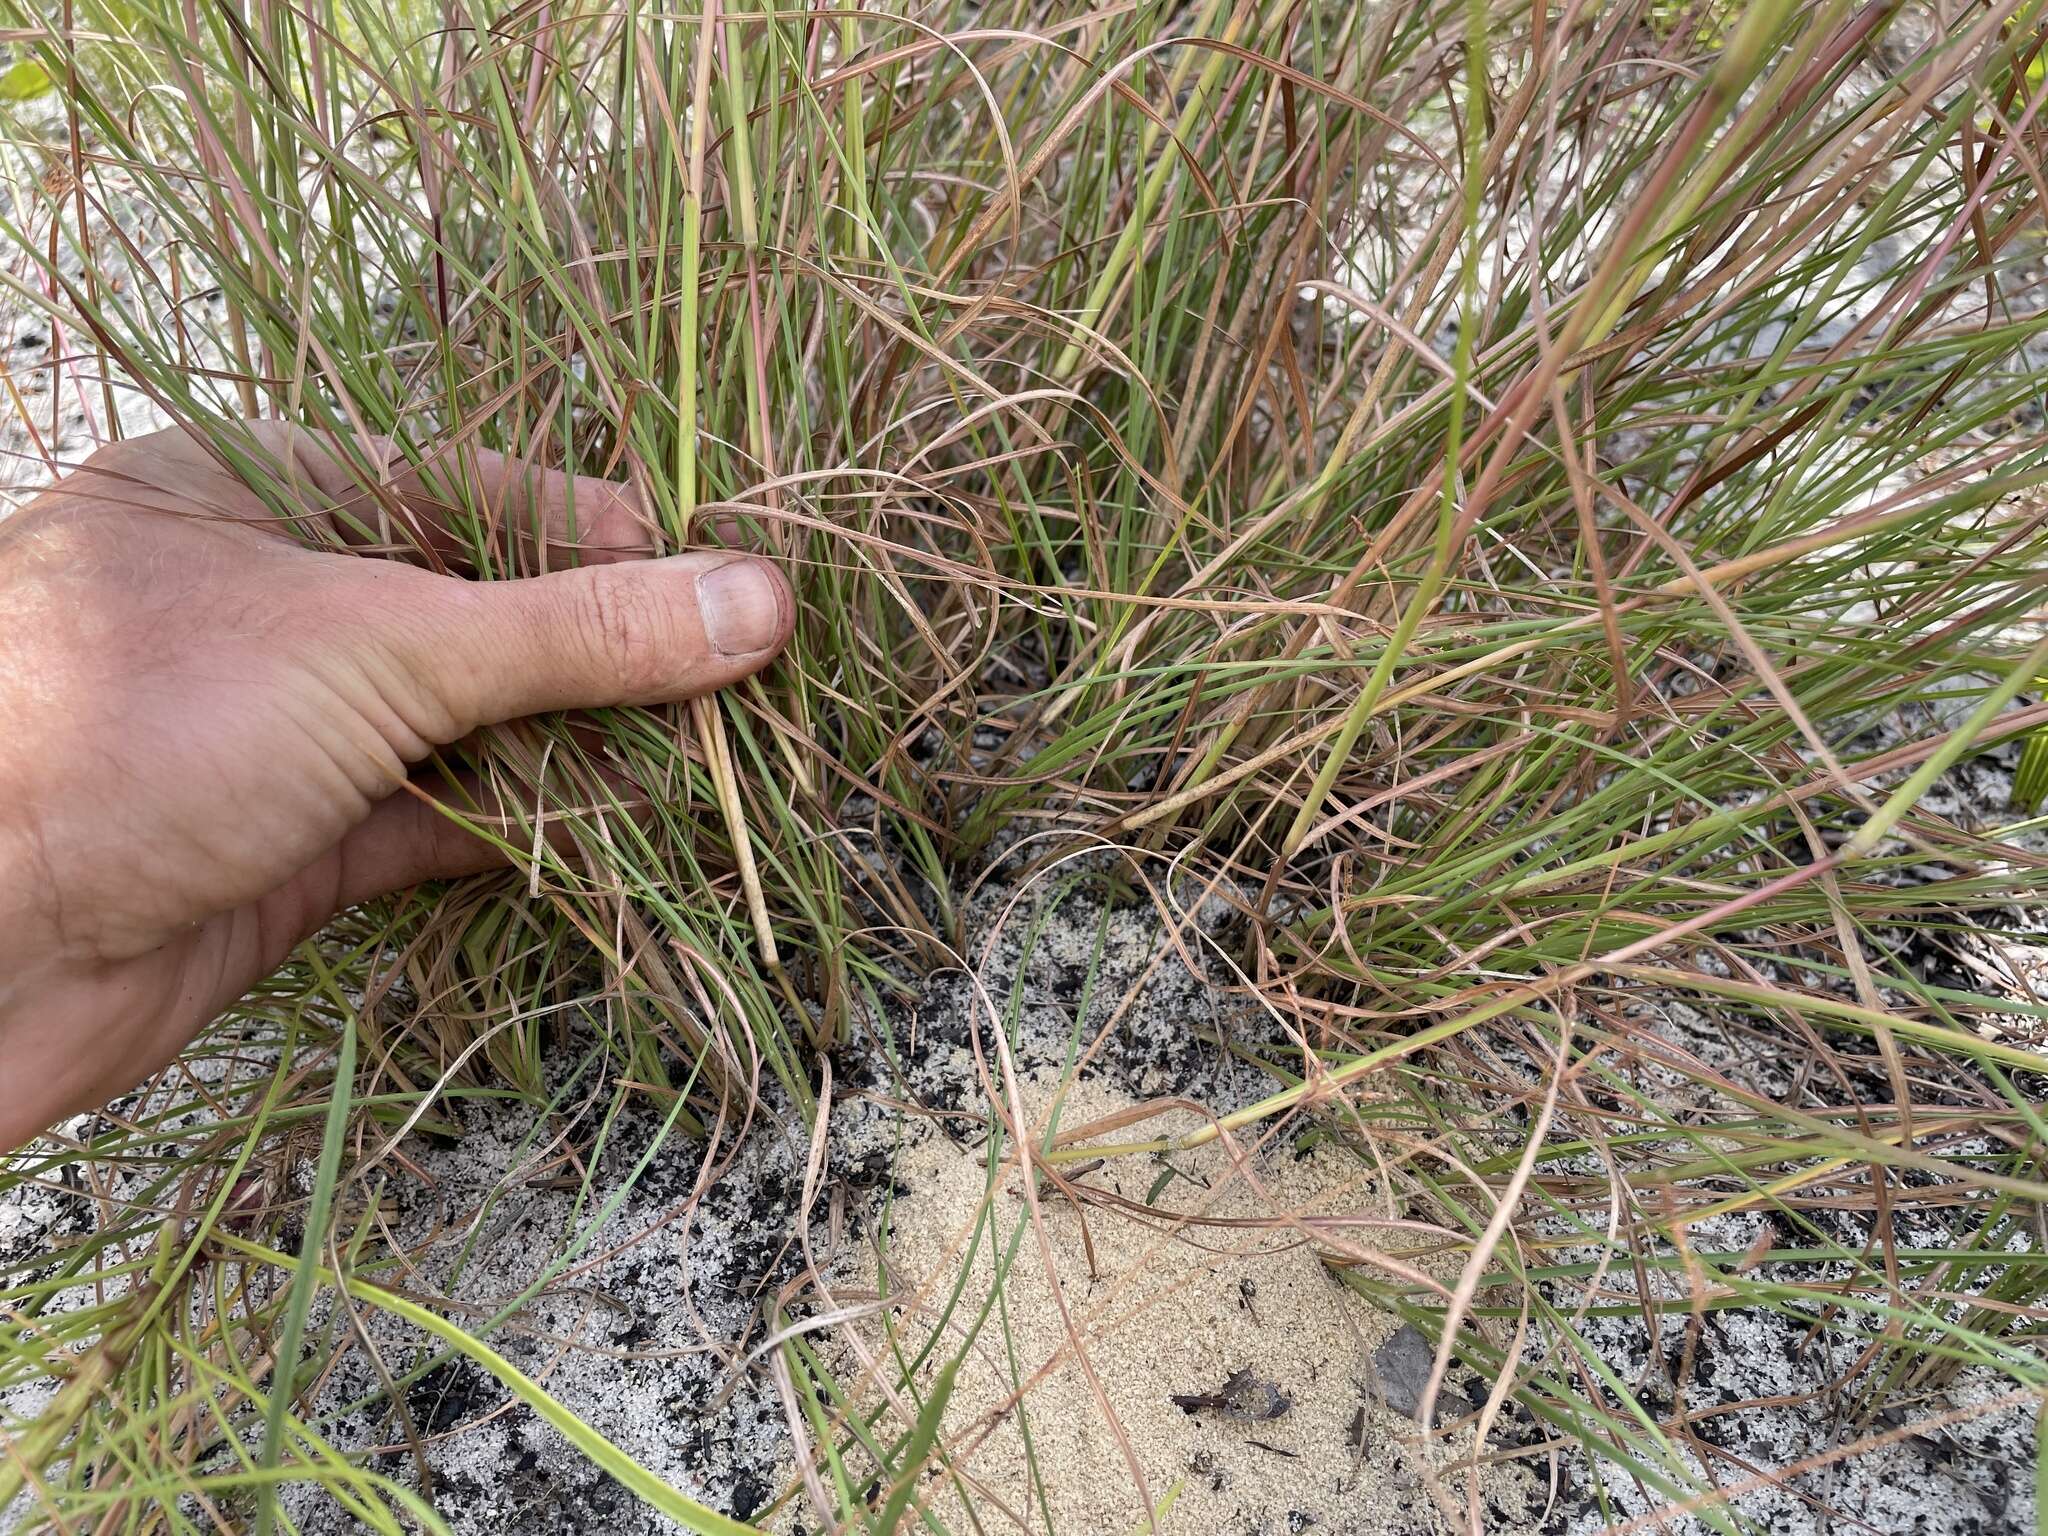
{"points": [[637, 632]]}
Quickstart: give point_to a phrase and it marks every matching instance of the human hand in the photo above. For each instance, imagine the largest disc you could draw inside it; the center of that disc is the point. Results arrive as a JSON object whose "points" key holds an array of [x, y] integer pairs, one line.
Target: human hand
{"points": [[208, 723]]}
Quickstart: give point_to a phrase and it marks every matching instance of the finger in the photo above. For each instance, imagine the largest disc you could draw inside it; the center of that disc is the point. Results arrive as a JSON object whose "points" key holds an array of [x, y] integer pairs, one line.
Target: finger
{"points": [[412, 837], [409, 838], [640, 632], [460, 499], [364, 492]]}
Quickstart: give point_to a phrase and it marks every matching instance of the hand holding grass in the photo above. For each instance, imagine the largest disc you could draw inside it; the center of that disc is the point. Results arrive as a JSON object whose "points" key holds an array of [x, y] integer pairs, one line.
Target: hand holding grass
{"points": [[210, 723]]}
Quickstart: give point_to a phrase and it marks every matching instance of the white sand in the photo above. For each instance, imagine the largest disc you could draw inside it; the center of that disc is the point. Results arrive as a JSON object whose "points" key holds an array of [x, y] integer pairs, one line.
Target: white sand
{"points": [[1164, 1312]]}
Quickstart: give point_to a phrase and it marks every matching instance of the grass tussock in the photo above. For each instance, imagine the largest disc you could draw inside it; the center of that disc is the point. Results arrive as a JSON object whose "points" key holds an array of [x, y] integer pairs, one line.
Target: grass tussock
{"points": [[1522, 502]]}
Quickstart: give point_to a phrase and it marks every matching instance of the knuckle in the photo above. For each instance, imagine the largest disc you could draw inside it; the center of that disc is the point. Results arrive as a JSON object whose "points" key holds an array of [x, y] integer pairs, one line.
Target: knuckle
{"points": [[106, 456], [628, 629], [367, 751], [108, 471]]}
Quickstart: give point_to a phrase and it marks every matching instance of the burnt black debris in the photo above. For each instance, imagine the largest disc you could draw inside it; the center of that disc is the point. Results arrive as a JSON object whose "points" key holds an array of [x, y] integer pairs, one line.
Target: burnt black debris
{"points": [[1243, 1396]]}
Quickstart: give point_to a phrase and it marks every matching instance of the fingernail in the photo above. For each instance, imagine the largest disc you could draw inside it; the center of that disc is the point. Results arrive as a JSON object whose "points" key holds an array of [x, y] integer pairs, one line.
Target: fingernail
{"points": [[741, 605]]}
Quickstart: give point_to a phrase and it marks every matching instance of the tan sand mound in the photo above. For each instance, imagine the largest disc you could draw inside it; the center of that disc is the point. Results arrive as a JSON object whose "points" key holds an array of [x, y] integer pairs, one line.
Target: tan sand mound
{"points": [[1233, 1313]]}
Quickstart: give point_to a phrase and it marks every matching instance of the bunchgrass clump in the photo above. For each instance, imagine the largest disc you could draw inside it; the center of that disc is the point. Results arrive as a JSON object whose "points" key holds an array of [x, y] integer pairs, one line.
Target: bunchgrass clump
{"points": [[1521, 502]]}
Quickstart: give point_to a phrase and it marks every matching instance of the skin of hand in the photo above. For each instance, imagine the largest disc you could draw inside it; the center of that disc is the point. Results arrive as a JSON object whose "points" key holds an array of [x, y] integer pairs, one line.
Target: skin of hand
{"points": [[206, 724]]}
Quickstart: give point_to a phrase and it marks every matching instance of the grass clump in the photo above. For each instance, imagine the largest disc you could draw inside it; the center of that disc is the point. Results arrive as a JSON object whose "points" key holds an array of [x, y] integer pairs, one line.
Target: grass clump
{"points": [[1523, 503]]}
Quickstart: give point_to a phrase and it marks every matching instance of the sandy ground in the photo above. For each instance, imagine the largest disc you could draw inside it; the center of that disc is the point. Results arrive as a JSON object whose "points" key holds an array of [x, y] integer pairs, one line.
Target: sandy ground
{"points": [[1184, 1351], [645, 1330]]}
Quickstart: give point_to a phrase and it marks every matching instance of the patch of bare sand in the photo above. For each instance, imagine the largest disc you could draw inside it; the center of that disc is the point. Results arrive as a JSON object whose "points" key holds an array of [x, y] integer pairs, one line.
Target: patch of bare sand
{"points": [[1160, 1313]]}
